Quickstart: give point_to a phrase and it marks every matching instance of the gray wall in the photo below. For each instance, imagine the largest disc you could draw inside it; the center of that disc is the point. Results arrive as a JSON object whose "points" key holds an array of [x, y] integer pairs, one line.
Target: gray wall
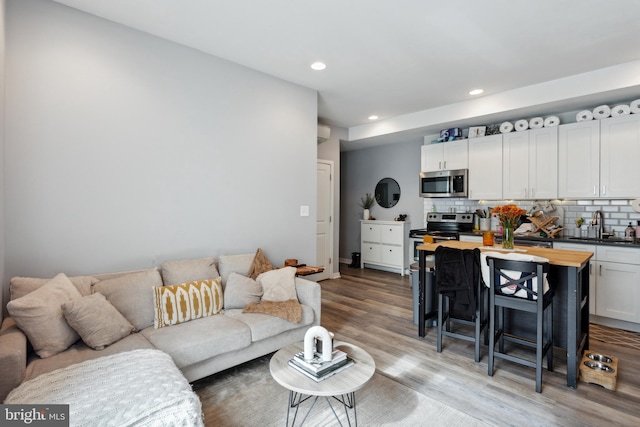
{"points": [[2, 101], [124, 150], [360, 172], [330, 150]]}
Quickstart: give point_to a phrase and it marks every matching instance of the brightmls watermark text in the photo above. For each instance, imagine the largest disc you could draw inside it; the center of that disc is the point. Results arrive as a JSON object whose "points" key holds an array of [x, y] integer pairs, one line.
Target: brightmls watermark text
{"points": [[34, 415]]}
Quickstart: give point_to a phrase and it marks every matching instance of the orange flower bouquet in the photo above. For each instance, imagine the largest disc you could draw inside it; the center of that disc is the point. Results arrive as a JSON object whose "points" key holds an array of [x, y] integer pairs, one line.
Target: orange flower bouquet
{"points": [[509, 215]]}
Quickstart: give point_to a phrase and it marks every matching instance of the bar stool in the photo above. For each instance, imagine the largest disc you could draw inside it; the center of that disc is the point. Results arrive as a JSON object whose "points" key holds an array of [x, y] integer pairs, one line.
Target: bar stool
{"points": [[462, 296], [515, 285]]}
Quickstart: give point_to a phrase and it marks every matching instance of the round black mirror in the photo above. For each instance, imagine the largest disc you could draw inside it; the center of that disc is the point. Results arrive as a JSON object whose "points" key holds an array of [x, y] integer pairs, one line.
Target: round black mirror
{"points": [[387, 193]]}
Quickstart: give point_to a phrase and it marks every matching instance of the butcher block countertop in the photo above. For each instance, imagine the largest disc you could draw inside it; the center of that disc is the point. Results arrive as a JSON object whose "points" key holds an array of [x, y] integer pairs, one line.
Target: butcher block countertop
{"points": [[560, 257]]}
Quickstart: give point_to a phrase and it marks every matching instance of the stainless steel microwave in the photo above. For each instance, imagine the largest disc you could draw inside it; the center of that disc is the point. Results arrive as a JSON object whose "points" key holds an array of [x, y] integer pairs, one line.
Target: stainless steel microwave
{"points": [[447, 183]]}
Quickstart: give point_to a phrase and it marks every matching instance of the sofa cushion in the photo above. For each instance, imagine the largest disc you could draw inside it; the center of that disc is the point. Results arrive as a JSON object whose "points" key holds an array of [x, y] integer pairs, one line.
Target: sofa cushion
{"points": [[278, 285], [200, 339], [21, 286], [259, 265], [39, 315], [186, 301], [265, 326], [97, 322], [79, 352], [240, 291], [132, 295], [240, 264], [176, 272]]}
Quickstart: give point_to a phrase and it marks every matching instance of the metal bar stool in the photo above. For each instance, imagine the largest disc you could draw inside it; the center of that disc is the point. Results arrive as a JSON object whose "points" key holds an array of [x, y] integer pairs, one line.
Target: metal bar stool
{"points": [[459, 284], [517, 285]]}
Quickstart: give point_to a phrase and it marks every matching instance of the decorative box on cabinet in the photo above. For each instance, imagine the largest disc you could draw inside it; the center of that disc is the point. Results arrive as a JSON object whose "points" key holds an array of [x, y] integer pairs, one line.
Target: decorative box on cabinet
{"points": [[385, 244]]}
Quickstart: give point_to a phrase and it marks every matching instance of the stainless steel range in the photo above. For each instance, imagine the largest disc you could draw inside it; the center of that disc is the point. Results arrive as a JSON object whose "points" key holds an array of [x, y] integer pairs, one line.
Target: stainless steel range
{"points": [[440, 226]]}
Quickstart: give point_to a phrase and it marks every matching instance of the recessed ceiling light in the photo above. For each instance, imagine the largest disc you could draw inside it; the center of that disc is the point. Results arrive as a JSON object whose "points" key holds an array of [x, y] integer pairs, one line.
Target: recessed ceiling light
{"points": [[318, 66], [476, 92], [373, 117]]}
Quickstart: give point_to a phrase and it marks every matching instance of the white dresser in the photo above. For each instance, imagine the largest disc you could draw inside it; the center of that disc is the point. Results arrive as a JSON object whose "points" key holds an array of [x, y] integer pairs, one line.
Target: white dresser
{"points": [[385, 244]]}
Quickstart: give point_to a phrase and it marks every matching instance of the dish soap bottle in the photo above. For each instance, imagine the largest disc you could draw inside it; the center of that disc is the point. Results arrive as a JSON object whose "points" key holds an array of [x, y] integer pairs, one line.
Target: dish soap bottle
{"points": [[629, 232]]}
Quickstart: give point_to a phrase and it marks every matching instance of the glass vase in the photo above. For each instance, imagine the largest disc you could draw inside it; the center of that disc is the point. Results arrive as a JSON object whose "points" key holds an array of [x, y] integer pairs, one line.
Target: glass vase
{"points": [[507, 237]]}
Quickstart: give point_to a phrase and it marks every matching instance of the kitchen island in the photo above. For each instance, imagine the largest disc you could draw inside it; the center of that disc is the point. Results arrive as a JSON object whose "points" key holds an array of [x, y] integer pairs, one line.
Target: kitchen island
{"points": [[570, 274]]}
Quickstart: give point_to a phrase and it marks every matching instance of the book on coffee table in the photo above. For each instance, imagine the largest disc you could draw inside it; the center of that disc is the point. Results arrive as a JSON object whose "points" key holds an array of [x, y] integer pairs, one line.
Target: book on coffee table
{"points": [[316, 364], [332, 370]]}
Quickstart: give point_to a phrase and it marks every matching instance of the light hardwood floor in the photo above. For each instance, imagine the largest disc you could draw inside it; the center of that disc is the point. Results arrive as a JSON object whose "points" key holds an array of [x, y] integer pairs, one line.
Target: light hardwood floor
{"points": [[374, 310]]}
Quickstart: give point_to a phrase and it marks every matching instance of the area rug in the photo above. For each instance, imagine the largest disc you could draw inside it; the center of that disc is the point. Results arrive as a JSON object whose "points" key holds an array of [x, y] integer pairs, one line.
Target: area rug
{"points": [[247, 396]]}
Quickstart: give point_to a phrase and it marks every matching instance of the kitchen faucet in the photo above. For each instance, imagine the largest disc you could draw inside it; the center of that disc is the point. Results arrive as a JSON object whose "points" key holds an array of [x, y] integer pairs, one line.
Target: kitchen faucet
{"points": [[594, 222]]}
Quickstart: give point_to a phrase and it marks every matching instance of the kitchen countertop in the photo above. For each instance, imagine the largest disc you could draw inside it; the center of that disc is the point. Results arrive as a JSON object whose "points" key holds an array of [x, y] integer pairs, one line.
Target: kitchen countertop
{"points": [[568, 239]]}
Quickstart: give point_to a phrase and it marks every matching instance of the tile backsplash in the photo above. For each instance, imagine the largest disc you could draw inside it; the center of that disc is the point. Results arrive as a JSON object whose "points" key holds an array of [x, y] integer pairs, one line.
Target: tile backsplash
{"points": [[617, 213]]}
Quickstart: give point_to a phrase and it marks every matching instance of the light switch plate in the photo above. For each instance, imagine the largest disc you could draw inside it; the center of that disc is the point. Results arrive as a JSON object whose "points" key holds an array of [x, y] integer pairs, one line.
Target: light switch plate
{"points": [[304, 210]]}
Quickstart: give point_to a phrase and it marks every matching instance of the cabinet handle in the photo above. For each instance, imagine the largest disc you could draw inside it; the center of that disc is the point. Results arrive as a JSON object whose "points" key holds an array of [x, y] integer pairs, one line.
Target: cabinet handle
{"points": [[595, 190], [445, 164], [525, 192], [590, 269], [440, 165], [533, 192], [600, 273], [604, 190]]}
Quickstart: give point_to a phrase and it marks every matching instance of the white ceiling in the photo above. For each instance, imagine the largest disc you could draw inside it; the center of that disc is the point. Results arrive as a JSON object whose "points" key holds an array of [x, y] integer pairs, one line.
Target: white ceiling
{"points": [[395, 58]]}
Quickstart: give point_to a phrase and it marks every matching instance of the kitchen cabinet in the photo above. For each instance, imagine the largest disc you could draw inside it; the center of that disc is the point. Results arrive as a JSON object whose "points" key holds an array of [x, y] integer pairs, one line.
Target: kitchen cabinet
{"points": [[619, 154], [579, 159], [445, 156], [530, 164], [385, 244], [614, 281], [485, 171]]}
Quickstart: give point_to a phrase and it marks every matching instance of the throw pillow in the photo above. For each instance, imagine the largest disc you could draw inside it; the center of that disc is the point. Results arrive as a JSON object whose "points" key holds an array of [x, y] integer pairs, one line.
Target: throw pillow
{"points": [[97, 322], [240, 264], [39, 315], [240, 291], [131, 295], [290, 310], [187, 301], [259, 265], [21, 286], [176, 272], [278, 285]]}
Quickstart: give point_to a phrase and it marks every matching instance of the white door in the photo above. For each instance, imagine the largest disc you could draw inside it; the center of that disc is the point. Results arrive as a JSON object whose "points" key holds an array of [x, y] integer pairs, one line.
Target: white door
{"points": [[324, 227]]}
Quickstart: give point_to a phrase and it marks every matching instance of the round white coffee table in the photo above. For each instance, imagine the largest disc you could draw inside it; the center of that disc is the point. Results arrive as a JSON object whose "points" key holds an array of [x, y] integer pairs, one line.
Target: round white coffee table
{"points": [[341, 386]]}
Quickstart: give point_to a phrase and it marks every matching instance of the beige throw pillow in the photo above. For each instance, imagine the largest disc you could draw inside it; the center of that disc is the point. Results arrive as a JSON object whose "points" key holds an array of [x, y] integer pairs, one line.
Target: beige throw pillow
{"points": [[21, 286], [96, 320], [278, 285], [39, 315], [187, 301], [131, 295], [240, 264], [259, 265], [240, 291], [176, 272]]}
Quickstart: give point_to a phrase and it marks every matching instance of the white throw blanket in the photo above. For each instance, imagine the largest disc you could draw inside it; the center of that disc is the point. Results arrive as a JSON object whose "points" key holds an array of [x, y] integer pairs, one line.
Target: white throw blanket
{"points": [[133, 388]]}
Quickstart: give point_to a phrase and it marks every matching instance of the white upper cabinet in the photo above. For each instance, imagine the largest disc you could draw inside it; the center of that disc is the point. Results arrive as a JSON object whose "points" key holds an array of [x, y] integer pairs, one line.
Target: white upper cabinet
{"points": [[485, 173], [445, 156], [620, 156], [579, 159], [530, 164]]}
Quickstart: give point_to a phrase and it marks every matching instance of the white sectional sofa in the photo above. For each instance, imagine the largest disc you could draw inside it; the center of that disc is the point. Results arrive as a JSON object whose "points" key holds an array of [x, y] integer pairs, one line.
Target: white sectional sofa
{"points": [[199, 347]]}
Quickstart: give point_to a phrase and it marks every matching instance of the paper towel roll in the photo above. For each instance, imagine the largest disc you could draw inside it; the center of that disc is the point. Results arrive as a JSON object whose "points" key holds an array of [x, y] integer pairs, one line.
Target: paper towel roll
{"points": [[635, 106], [521, 125], [620, 110], [601, 112], [551, 121], [506, 127], [536, 123], [584, 115]]}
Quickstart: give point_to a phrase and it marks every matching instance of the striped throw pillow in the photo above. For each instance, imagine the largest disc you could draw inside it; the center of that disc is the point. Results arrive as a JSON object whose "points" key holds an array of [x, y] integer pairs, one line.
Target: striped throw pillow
{"points": [[187, 301]]}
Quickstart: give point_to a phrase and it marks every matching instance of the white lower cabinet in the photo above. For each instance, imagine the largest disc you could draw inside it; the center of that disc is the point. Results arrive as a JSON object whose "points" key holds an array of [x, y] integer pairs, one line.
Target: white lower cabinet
{"points": [[385, 244], [614, 280], [618, 283]]}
